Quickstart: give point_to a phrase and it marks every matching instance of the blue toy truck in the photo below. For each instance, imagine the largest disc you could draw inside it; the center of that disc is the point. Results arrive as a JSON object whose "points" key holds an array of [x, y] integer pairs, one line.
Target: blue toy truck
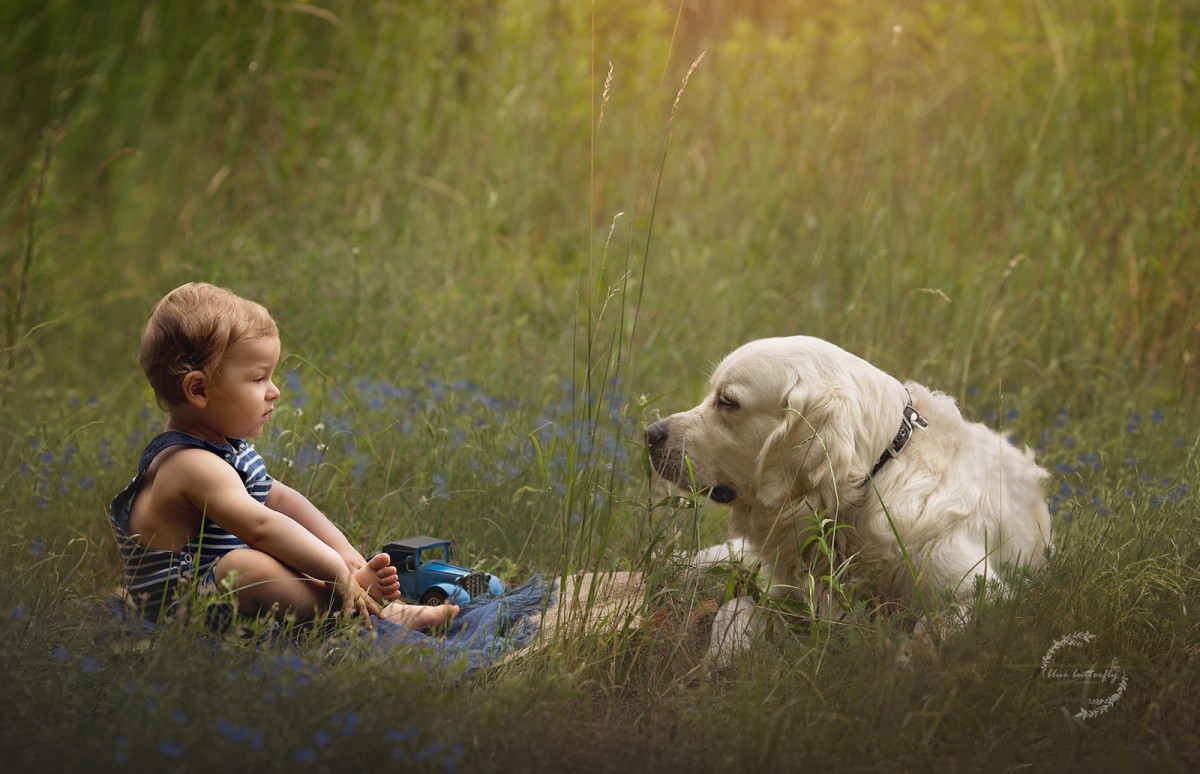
{"points": [[428, 577]]}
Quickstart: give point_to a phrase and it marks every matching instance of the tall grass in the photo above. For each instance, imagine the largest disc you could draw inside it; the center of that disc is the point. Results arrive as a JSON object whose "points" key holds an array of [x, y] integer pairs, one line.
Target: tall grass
{"points": [[499, 239]]}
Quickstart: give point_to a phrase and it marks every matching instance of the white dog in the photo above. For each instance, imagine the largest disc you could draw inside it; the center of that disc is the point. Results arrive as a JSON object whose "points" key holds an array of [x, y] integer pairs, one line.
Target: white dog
{"points": [[917, 501]]}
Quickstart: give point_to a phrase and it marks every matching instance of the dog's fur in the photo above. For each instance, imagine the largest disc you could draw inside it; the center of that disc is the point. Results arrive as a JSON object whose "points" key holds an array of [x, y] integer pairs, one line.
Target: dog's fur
{"points": [[792, 427]]}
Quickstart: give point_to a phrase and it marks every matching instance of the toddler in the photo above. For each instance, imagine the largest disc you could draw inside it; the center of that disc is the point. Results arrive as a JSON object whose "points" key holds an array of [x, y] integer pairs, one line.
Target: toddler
{"points": [[202, 509]]}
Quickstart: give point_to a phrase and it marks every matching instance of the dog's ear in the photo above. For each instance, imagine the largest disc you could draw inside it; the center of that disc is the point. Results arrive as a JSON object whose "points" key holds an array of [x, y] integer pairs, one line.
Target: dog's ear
{"points": [[810, 453]]}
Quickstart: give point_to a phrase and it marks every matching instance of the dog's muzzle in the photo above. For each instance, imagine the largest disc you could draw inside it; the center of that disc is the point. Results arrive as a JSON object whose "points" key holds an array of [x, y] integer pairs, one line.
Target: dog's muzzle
{"points": [[722, 494], [669, 464]]}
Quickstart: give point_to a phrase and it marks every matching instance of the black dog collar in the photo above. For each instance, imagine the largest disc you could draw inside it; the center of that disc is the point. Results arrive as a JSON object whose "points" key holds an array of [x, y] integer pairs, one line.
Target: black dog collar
{"points": [[910, 420]]}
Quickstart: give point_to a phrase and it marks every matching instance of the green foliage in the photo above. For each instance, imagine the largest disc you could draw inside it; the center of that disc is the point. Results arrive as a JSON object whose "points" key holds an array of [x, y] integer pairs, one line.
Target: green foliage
{"points": [[499, 239]]}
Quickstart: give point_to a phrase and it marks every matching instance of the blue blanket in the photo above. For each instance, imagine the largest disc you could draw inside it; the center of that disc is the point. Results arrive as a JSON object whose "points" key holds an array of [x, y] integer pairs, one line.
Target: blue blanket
{"points": [[486, 629]]}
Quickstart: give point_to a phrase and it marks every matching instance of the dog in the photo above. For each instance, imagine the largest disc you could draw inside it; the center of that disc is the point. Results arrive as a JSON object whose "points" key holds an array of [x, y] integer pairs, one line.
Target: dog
{"points": [[832, 468]]}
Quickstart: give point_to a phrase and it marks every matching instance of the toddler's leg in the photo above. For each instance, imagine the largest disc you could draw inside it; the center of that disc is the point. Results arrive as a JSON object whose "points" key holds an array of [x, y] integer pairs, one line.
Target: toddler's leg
{"points": [[263, 582], [378, 577]]}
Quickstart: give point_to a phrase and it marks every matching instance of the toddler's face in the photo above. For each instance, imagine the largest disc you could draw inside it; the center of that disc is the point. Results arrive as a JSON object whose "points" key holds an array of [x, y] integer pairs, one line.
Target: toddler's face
{"points": [[245, 394]]}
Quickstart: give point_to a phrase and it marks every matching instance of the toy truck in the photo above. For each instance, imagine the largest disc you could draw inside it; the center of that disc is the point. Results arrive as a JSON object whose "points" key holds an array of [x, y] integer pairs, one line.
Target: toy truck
{"points": [[428, 577]]}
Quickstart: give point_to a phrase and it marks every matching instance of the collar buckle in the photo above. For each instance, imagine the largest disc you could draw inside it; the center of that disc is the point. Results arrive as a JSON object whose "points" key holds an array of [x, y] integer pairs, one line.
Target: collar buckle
{"points": [[909, 421]]}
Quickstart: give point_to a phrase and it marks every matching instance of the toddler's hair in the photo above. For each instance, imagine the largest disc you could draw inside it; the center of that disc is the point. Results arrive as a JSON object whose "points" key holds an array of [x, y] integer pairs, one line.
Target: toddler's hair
{"points": [[191, 329]]}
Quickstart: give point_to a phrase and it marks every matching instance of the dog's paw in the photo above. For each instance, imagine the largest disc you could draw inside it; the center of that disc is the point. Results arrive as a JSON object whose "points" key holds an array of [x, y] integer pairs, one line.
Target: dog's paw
{"points": [[737, 624], [733, 551]]}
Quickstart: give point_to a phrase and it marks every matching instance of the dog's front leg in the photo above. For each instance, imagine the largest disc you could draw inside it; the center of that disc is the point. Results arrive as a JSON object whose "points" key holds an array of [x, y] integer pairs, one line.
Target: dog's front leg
{"points": [[738, 623]]}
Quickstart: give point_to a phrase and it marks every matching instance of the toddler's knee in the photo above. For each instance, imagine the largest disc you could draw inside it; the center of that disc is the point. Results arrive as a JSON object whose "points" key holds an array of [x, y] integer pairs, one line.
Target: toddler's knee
{"points": [[247, 564]]}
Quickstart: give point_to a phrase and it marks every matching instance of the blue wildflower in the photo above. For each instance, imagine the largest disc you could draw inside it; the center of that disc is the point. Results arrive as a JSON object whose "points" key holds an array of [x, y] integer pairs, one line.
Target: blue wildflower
{"points": [[60, 653], [229, 731], [171, 749], [322, 738], [36, 547], [304, 755], [407, 735]]}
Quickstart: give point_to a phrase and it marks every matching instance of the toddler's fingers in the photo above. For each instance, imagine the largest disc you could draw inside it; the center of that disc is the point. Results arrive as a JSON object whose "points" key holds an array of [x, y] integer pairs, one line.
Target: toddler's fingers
{"points": [[364, 610], [353, 603]]}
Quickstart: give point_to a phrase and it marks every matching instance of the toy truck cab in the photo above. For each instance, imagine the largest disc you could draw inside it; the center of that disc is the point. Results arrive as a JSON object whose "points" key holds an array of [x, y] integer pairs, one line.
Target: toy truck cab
{"points": [[428, 577]]}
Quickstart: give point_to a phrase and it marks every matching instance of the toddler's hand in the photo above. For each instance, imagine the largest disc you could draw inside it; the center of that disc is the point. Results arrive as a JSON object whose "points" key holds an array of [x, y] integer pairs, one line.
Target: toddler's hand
{"points": [[356, 600], [354, 560]]}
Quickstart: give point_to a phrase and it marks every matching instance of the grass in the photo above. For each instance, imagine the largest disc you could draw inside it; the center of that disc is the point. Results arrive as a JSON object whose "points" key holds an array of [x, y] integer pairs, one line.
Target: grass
{"points": [[486, 291]]}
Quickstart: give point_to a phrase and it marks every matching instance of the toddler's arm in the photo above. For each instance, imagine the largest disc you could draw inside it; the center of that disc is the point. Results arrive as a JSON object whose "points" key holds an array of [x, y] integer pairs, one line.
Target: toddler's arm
{"points": [[378, 578], [296, 506], [214, 488]]}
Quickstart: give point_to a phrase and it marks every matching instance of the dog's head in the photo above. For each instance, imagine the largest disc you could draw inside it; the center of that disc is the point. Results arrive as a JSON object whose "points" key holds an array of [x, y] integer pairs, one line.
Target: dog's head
{"points": [[784, 420]]}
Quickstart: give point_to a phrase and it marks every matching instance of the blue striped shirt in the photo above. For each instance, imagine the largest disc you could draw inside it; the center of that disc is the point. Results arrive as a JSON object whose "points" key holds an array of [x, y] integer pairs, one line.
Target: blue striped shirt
{"points": [[153, 576]]}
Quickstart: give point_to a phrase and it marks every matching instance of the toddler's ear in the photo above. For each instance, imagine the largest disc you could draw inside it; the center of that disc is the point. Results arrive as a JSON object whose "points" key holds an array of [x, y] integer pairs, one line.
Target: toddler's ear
{"points": [[195, 389]]}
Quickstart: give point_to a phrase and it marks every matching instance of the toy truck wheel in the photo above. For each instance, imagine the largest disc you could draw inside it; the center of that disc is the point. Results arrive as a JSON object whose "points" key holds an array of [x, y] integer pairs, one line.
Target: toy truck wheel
{"points": [[434, 597]]}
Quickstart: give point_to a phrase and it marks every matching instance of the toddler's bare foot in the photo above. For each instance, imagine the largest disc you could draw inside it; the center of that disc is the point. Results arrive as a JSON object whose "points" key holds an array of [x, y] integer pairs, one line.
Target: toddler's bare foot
{"points": [[419, 617], [378, 577]]}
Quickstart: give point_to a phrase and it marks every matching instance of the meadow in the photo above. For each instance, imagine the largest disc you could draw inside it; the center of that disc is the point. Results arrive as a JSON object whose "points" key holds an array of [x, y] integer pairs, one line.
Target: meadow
{"points": [[500, 238]]}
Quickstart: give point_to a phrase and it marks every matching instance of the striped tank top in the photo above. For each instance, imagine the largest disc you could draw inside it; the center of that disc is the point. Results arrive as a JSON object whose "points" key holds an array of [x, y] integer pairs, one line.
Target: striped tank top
{"points": [[153, 576]]}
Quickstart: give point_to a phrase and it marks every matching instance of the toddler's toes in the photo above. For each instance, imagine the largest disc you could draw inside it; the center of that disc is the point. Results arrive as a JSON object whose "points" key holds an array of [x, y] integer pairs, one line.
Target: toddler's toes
{"points": [[379, 561]]}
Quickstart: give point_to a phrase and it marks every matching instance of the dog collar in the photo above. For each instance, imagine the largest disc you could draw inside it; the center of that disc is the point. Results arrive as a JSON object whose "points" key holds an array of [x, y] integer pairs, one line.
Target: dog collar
{"points": [[908, 422]]}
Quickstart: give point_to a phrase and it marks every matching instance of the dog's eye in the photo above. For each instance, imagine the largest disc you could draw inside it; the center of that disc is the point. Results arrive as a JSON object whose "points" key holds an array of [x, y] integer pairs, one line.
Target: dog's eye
{"points": [[726, 403]]}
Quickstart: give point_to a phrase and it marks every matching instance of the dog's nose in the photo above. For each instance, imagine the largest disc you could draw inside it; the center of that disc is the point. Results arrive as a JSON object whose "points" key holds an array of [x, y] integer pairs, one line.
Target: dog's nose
{"points": [[656, 433]]}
